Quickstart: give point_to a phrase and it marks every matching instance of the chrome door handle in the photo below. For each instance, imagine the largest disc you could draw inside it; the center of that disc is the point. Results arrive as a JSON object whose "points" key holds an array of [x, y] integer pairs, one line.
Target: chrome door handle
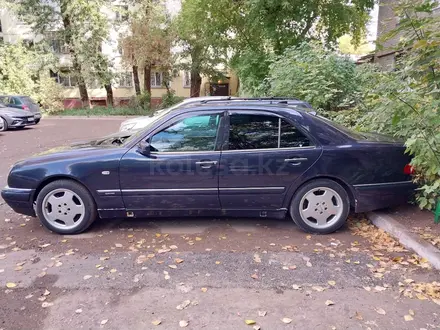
{"points": [[207, 164], [295, 161]]}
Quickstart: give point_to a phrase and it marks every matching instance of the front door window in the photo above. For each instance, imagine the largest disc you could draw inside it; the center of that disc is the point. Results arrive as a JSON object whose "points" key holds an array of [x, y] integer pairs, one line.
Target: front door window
{"points": [[196, 133]]}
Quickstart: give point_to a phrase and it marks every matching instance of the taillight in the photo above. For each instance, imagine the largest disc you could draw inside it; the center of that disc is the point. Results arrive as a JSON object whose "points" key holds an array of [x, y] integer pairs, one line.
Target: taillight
{"points": [[408, 169], [25, 107]]}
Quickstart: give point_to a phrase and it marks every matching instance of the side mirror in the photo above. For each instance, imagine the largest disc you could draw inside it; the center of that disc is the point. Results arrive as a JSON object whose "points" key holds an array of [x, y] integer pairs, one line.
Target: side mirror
{"points": [[144, 148]]}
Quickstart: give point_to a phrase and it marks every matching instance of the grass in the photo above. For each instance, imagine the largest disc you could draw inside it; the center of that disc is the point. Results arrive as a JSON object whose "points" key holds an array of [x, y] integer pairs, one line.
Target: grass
{"points": [[103, 111]]}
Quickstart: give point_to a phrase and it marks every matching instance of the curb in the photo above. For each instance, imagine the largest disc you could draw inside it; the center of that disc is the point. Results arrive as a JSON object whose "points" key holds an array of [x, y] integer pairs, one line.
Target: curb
{"points": [[405, 237]]}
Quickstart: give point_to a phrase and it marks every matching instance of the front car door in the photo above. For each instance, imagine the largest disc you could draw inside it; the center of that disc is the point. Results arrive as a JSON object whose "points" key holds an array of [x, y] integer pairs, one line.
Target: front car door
{"points": [[181, 172], [264, 155]]}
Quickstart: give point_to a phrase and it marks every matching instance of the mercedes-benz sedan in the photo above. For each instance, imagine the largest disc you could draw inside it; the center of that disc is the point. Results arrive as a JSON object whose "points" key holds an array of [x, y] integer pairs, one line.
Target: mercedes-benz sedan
{"points": [[217, 159]]}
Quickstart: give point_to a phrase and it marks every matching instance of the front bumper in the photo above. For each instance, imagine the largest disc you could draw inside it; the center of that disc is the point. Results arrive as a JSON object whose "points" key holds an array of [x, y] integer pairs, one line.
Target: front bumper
{"points": [[19, 199], [21, 121]]}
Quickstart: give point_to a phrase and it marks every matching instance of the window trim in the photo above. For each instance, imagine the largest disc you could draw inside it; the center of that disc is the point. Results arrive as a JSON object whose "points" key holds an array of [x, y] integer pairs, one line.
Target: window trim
{"points": [[184, 79], [126, 73], [153, 74], [173, 120], [313, 143]]}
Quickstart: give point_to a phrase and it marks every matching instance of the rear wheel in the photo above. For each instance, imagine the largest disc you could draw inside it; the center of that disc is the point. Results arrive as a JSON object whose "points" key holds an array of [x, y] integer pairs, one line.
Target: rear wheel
{"points": [[19, 127], [320, 206], [37, 121], [66, 207], [3, 125]]}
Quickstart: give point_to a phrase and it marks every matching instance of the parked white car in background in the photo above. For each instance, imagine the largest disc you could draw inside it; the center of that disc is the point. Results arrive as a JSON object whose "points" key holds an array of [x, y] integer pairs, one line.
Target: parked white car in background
{"points": [[137, 123]]}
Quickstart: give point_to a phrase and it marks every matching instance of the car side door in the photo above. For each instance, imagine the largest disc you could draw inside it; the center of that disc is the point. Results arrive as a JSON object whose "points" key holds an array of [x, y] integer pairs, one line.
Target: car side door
{"points": [[264, 154], [181, 170]]}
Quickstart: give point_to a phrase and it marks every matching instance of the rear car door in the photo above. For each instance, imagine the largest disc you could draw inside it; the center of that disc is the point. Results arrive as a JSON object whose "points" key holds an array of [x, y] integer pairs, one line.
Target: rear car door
{"points": [[264, 154], [181, 172]]}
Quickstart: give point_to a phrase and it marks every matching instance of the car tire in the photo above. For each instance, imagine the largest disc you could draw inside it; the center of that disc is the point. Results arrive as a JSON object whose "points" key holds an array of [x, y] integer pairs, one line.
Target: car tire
{"points": [[19, 127], [37, 121], [66, 207], [3, 125], [320, 206]]}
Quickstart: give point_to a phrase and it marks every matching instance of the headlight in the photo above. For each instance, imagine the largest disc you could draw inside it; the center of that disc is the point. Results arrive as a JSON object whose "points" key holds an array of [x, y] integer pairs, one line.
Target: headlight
{"points": [[127, 127]]}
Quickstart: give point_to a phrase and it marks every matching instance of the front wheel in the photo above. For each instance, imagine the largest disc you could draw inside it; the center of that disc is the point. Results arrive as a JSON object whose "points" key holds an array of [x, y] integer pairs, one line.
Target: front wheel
{"points": [[65, 207], [320, 206], [3, 125]]}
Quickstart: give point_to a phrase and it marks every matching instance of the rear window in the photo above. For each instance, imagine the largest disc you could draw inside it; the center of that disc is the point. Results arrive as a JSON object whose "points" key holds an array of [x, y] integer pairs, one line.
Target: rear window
{"points": [[27, 100], [354, 135]]}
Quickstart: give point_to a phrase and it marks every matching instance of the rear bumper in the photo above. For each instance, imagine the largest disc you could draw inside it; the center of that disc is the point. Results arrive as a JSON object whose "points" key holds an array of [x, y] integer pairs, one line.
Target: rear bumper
{"points": [[19, 199], [376, 196]]}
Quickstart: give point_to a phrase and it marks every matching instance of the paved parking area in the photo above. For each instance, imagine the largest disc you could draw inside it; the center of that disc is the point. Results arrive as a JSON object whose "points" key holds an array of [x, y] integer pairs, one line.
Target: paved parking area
{"points": [[203, 273]]}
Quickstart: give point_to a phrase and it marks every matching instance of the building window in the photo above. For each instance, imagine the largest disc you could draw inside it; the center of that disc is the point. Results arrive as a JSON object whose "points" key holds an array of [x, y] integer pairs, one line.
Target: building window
{"points": [[126, 79], [187, 79], [58, 46], [121, 13], [64, 78], [156, 79]]}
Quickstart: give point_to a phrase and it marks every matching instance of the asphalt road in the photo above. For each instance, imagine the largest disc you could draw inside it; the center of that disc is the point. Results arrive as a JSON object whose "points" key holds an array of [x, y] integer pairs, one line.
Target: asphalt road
{"points": [[207, 273]]}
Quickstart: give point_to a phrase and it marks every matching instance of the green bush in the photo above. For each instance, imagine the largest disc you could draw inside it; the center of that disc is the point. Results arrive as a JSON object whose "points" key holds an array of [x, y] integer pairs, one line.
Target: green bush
{"points": [[323, 78], [142, 103], [100, 111], [169, 99]]}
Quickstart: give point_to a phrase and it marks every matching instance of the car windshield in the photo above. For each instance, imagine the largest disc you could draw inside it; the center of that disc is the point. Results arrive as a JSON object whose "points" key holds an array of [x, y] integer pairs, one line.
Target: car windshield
{"points": [[154, 119]]}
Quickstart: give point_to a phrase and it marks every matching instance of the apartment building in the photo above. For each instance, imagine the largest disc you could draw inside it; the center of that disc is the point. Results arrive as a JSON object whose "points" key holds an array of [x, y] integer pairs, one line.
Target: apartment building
{"points": [[13, 30], [388, 21]]}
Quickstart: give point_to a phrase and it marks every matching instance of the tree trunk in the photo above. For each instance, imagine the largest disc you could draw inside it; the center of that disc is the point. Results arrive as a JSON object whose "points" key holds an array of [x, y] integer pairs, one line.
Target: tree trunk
{"points": [[81, 82], [196, 82], [76, 66], [109, 90], [147, 79], [137, 85]]}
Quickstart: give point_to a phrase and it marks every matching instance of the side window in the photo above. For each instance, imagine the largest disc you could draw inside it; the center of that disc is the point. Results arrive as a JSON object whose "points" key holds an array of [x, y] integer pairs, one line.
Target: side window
{"points": [[291, 137], [249, 132], [253, 132], [198, 133]]}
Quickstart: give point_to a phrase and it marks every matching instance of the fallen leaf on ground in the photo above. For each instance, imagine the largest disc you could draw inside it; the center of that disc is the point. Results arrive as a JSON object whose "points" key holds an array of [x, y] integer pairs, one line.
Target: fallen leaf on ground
{"points": [[359, 316], [172, 266], [64, 241], [104, 322], [78, 311], [332, 283], [411, 312], [262, 313], [173, 247], [217, 262], [46, 293], [379, 288], [296, 287], [318, 288], [18, 268], [256, 327], [257, 258], [408, 318], [183, 324], [309, 264], [249, 322], [329, 303], [156, 322], [42, 298], [204, 289], [163, 251], [10, 285], [86, 277], [178, 260], [118, 245], [141, 259], [183, 305], [44, 245], [286, 320], [254, 276], [198, 238], [113, 270], [46, 304], [380, 311], [367, 288]]}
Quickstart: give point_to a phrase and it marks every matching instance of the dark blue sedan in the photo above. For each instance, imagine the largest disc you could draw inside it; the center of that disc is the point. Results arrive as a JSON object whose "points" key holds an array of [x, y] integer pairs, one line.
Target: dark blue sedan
{"points": [[246, 159]]}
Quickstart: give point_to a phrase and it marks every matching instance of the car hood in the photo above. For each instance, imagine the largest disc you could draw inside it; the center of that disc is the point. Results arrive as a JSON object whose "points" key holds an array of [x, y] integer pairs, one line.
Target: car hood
{"points": [[15, 112], [136, 120]]}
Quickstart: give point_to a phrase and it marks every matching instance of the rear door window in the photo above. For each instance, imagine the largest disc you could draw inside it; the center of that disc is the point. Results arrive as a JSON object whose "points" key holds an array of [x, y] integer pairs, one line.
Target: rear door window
{"points": [[251, 131]]}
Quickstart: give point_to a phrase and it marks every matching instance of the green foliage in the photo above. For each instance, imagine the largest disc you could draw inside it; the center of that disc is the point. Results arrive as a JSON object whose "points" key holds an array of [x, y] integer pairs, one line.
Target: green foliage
{"points": [[141, 103], [101, 111], [24, 71], [169, 99], [318, 76], [406, 101]]}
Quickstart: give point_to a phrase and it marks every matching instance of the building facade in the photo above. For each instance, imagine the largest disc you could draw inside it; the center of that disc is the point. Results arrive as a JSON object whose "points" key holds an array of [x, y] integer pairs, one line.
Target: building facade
{"points": [[13, 30]]}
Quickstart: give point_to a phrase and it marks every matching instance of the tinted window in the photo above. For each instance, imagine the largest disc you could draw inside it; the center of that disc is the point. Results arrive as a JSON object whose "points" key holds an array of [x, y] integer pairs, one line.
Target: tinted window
{"points": [[191, 134], [253, 132], [262, 132], [291, 137]]}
